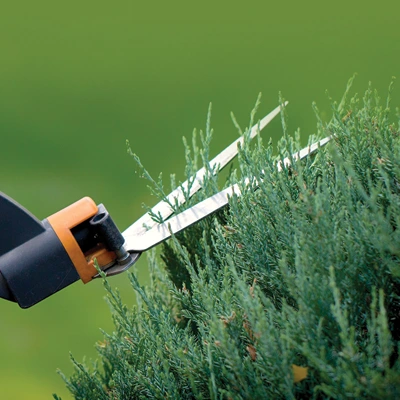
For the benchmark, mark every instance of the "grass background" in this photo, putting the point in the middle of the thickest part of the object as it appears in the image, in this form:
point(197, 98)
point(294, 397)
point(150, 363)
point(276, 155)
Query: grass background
point(79, 78)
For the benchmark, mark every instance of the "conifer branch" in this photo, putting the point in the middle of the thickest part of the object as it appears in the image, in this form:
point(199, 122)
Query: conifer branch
point(291, 292)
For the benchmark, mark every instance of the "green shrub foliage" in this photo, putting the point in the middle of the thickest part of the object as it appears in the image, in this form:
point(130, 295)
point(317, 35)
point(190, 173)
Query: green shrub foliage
point(302, 269)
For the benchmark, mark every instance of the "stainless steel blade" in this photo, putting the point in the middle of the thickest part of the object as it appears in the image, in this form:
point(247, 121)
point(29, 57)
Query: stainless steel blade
point(163, 209)
point(304, 152)
point(161, 232)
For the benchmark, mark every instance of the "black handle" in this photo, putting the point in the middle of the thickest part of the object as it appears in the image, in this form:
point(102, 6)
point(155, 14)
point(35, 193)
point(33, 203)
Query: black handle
point(39, 258)
point(33, 261)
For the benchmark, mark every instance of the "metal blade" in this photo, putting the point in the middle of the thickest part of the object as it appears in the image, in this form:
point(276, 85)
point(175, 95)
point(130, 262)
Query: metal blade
point(163, 209)
point(304, 152)
point(201, 210)
point(180, 222)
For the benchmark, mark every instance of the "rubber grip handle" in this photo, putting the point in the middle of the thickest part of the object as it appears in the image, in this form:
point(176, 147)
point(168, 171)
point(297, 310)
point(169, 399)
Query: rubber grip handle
point(37, 268)
point(36, 261)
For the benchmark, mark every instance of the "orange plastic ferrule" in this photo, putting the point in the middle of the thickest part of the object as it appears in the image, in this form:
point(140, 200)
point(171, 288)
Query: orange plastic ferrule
point(62, 222)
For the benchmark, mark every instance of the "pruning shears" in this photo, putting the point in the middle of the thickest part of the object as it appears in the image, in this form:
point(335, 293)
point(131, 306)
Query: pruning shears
point(39, 258)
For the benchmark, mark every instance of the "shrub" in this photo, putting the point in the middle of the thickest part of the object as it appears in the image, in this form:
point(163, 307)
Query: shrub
point(298, 277)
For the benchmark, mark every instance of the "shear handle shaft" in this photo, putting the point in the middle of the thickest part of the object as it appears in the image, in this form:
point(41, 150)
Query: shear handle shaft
point(39, 258)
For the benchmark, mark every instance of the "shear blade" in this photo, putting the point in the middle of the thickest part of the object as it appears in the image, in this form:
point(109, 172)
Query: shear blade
point(180, 222)
point(176, 224)
point(163, 209)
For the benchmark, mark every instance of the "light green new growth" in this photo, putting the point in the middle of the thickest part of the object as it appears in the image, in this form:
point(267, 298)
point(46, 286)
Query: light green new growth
point(302, 271)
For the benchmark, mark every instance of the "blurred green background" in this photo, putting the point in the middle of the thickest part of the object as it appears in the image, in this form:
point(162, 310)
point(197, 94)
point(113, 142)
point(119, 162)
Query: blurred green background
point(78, 78)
